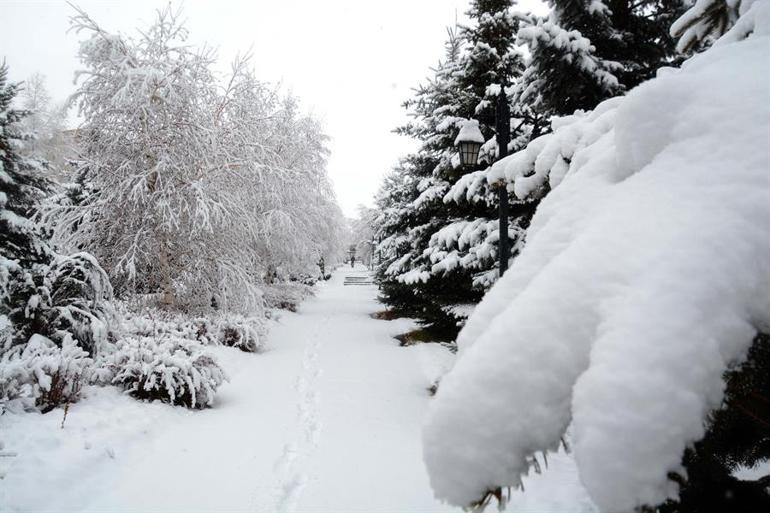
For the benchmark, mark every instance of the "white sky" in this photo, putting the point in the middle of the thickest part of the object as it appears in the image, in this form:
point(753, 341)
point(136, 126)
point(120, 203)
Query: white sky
point(351, 62)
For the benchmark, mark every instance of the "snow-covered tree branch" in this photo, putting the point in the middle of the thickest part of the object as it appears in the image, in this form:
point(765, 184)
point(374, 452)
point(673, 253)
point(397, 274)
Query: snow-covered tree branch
point(642, 281)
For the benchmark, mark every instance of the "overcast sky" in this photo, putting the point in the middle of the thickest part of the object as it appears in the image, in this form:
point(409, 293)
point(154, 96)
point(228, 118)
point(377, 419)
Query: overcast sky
point(351, 62)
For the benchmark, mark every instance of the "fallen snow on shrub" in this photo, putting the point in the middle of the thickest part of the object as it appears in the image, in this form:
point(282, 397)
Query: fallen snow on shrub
point(166, 368)
point(244, 333)
point(286, 295)
point(228, 329)
point(645, 275)
point(40, 374)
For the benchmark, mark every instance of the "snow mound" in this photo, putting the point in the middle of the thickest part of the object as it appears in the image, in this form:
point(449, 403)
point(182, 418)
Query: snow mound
point(644, 276)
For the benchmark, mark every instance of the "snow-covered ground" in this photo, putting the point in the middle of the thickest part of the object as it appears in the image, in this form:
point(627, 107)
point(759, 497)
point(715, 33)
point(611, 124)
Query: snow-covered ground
point(328, 419)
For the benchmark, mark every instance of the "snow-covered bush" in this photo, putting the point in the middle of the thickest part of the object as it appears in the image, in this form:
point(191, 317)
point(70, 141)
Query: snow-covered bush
point(286, 295)
point(166, 368)
point(228, 329)
point(643, 280)
point(41, 374)
point(79, 301)
point(151, 322)
point(244, 333)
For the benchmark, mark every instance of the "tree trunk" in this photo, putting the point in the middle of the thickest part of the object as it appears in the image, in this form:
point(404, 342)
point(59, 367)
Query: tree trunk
point(167, 298)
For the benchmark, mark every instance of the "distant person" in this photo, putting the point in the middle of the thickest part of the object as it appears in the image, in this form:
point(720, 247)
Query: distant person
point(352, 261)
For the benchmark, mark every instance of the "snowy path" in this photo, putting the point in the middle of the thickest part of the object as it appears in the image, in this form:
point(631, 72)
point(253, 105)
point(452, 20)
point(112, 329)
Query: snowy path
point(327, 420)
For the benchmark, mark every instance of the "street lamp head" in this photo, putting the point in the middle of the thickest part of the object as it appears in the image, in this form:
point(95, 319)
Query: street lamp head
point(469, 142)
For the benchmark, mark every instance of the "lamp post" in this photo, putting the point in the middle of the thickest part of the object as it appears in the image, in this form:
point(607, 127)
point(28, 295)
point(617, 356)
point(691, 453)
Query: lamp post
point(503, 129)
point(469, 142)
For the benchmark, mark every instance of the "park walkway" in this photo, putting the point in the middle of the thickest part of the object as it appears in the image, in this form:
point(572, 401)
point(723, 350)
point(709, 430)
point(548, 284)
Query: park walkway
point(327, 420)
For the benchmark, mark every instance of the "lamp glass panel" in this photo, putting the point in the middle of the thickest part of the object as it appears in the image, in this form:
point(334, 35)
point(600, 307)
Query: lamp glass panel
point(469, 153)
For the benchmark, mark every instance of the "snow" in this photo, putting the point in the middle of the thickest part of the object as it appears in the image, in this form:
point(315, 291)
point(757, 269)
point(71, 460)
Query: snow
point(327, 419)
point(642, 279)
point(758, 471)
point(431, 191)
point(470, 132)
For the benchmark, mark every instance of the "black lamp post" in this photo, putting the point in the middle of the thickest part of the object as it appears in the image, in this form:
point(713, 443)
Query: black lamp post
point(503, 129)
point(469, 142)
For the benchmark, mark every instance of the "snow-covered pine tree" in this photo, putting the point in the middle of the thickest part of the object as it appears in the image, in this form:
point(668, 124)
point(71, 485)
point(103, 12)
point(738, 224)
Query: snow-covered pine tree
point(54, 309)
point(589, 50)
point(423, 178)
point(394, 203)
point(446, 252)
point(21, 186)
point(492, 59)
point(22, 183)
point(564, 73)
point(404, 219)
point(582, 53)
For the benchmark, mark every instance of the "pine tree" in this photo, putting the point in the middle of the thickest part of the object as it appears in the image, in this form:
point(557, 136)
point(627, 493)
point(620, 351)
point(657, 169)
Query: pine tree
point(564, 74)
point(41, 292)
point(428, 272)
point(22, 184)
point(23, 251)
point(393, 201)
point(492, 60)
point(586, 51)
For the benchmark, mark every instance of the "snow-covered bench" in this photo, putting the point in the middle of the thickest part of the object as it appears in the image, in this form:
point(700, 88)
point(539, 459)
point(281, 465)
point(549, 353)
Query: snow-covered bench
point(359, 280)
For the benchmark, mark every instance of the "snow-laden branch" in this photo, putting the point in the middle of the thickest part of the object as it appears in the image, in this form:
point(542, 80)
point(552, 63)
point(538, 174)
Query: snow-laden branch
point(643, 279)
